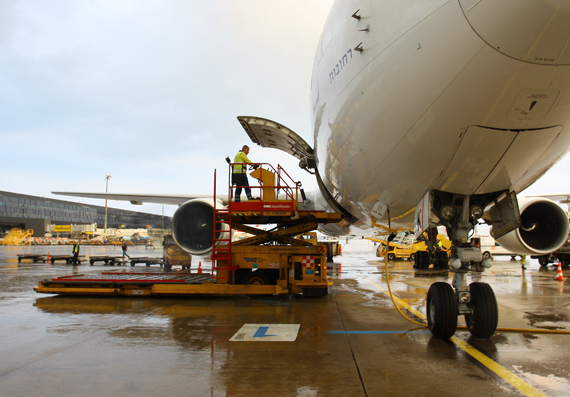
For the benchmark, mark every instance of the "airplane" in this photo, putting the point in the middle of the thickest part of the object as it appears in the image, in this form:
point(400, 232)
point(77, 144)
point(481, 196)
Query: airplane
point(425, 114)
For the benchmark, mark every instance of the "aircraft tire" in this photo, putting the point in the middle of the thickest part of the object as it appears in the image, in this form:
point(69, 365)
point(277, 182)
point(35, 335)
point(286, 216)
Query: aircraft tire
point(543, 260)
point(257, 278)
point(485, 318)
point(441, 310)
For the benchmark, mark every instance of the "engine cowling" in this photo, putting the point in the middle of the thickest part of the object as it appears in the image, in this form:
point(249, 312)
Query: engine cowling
point(193, 226)
point(544, 228)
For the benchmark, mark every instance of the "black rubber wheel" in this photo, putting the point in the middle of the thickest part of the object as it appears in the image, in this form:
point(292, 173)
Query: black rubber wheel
point(543, 260)
point(442, 260)
point(486, 255)
point(91, 261)
point(391, 257)
point(441, 310)
point(485, 318)
point(256, 278)
point(52, 261)
point(421, 260)
point(413, 257)
point(19, 260)
point(133, 263)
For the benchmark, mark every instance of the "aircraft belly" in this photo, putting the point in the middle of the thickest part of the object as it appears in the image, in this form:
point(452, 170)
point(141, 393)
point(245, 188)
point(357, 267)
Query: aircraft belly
point(530, 155)
point(475, 159)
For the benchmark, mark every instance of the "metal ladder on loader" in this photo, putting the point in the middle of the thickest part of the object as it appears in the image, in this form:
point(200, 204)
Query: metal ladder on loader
point(222, 243)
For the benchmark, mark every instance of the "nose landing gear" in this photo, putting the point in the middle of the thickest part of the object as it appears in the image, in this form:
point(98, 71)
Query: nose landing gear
point(445, 302)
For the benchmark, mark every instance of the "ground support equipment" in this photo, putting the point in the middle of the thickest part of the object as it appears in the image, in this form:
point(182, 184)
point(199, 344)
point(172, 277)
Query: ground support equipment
point(67, 258)
point(35, 258)
point(108, 260)
point(146, 260)
point(265, 262)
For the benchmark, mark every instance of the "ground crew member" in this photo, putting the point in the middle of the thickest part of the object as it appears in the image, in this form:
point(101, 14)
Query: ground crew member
point(523, 260)
point(75, 251)
point(124, 247)
point(239, 174)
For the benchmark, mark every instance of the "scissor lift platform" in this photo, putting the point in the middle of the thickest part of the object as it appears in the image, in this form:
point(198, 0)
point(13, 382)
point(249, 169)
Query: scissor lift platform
point(147, 284)
point(266, 262)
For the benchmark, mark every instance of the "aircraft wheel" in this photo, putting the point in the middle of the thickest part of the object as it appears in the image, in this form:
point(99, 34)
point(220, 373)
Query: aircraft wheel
point(485, 318)
point(543, 260)
point(256, 278)
point(441, 310)
point(391, 257)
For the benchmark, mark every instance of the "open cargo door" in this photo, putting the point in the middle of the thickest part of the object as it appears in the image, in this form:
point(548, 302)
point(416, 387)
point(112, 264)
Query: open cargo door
point(268, 133)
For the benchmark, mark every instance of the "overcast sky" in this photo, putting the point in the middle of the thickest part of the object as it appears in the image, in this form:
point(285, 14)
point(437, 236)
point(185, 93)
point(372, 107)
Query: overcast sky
point(149, 90)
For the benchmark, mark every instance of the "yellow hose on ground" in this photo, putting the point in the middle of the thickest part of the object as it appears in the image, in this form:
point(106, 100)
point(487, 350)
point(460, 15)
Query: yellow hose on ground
point(514, 330)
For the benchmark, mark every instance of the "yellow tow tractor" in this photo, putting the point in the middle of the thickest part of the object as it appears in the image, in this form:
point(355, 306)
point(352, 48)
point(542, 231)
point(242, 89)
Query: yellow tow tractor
point(173, 255)
point(264, 262)
point(404, 247)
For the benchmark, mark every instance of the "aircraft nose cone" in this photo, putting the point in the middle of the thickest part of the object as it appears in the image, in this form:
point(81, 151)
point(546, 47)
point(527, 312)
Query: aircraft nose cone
point(535, 31)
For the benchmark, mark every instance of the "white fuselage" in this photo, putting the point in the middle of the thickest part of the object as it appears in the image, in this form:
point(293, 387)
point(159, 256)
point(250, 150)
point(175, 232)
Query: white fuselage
point(463, 96)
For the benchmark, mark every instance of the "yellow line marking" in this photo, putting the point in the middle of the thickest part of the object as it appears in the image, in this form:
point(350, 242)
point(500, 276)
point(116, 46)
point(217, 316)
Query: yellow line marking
point(505, 374)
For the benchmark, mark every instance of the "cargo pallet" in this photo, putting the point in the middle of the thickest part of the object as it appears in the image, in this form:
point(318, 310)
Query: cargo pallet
point(268, 262)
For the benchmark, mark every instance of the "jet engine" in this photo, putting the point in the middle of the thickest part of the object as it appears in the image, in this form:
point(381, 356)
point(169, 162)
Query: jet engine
point(193, 226)
point(544, 228)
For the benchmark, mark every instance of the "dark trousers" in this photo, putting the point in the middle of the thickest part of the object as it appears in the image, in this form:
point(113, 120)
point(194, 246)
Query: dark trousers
point(75, 257)
point(241, 180)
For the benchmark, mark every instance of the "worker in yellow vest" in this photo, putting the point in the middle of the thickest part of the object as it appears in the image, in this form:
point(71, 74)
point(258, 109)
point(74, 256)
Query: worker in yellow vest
point(239, 174)
point(75, 252)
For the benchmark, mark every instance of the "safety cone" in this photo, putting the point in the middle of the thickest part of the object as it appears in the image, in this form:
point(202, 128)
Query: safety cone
point(200, 267)
point(48, 258)
point(559, 274)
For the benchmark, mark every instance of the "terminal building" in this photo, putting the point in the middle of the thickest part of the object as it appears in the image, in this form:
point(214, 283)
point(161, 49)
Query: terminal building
point(32, 212)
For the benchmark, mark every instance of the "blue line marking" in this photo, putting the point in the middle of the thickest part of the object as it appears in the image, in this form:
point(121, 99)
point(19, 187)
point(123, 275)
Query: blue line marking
point(377, 332)
point(261, 333)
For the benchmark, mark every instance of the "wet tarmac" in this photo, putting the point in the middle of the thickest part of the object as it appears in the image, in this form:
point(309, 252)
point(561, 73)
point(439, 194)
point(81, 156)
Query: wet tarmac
point(350, 343)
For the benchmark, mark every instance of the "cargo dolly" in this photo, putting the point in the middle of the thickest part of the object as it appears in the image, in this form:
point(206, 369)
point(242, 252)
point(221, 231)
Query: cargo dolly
point(146, 260)
point(267, 262)
point(119, 260)
point(50, 258)
point(34, 257)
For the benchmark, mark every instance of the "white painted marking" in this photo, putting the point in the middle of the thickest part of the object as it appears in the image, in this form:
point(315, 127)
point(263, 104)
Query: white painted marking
point(267, 333)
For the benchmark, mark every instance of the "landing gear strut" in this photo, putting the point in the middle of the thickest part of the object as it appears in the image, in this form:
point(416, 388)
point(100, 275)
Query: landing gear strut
point(476, 301)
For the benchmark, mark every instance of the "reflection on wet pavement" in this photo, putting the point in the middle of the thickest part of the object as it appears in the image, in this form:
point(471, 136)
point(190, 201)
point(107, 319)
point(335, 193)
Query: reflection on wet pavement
point(352, 342)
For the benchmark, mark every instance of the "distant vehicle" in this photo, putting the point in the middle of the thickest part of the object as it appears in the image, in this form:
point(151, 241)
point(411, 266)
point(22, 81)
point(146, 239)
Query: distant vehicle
point(562, 254)
point(405, 247)
point(333, 247)
point(490, 248)
point(173, 255)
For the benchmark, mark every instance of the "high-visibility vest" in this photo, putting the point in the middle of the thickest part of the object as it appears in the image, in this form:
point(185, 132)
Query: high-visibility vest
point(241, 157)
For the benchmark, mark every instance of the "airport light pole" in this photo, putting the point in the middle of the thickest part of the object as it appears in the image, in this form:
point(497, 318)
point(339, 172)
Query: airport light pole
point(106, 191)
